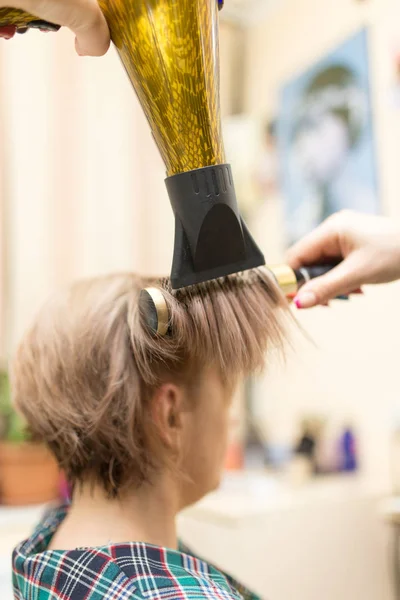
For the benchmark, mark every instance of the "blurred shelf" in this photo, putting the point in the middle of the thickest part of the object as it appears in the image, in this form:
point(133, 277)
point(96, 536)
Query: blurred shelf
point(248, 495)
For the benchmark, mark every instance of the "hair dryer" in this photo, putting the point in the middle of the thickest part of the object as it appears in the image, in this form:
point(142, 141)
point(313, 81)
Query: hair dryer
point(169, 49)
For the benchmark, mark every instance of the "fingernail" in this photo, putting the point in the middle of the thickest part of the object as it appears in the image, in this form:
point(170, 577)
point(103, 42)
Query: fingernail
point(344, 297)
point(358, 291)
point(305, 300)
point(7, 32)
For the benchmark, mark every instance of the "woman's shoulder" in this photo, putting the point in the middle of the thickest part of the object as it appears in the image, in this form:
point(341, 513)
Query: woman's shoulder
point(129, 571)
point(175, 574)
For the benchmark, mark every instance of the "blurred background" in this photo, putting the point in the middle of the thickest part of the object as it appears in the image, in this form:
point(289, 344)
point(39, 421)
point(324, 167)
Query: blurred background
point(310, 93)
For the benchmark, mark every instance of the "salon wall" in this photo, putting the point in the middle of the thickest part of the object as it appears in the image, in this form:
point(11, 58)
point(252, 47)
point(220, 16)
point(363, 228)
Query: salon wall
point(81, 180)
point(351, 373)
point(72, 160)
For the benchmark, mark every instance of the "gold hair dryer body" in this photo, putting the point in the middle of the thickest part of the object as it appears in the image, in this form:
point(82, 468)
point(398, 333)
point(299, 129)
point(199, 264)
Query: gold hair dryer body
point(169, 49)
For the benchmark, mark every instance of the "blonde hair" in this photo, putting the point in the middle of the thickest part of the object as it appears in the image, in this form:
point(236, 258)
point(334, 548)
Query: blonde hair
point(84, 374)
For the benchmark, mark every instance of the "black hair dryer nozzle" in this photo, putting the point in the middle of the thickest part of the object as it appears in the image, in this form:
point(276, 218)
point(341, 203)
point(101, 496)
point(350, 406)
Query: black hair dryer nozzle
point(211, 239)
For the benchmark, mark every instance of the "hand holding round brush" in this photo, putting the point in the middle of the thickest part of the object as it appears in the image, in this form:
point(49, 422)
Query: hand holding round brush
point(368, 248)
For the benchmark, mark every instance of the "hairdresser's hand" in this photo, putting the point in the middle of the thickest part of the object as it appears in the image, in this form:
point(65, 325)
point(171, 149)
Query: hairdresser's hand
point(369, 245)
point(83, 17)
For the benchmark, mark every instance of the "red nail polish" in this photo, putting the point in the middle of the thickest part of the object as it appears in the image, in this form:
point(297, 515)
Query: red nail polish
point(297, 303)
point(7, 32)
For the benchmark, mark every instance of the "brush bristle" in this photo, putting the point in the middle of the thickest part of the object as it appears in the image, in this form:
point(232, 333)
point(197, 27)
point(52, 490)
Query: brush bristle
point(238, 280)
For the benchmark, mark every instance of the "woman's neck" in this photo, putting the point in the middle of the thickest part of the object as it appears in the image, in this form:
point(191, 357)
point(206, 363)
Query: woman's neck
point(143, 515)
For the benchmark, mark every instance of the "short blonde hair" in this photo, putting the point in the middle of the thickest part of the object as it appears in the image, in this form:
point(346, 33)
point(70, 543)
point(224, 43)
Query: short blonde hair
point(84, 373)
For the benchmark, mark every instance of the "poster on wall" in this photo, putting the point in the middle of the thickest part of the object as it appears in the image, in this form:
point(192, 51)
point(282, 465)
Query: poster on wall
point(325, 139)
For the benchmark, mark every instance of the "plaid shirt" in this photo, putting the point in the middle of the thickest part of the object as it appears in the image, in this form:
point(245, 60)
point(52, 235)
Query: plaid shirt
point(132, 571)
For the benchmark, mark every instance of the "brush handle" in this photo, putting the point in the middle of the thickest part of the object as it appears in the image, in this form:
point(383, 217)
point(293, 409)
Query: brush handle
point(305, 274)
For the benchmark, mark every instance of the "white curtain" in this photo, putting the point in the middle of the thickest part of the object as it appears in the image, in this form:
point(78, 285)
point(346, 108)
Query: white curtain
point(82, 189)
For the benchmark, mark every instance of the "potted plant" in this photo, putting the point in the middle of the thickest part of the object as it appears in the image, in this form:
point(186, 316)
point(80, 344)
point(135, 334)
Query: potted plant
point(28, 472)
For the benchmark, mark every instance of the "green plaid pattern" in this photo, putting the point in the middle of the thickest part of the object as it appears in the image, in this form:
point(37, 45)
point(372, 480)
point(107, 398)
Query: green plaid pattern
point(133, 571)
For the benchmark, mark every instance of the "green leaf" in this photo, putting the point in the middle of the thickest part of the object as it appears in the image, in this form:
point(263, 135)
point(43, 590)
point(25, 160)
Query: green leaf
point(12, 426)
point(5, 395)
point(17, 432)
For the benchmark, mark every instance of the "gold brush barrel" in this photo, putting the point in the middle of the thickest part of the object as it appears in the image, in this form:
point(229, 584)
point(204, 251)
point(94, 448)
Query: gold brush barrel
point(170, 51)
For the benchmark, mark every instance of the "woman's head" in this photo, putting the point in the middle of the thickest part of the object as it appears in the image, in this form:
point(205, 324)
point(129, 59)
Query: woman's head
point(117, 404)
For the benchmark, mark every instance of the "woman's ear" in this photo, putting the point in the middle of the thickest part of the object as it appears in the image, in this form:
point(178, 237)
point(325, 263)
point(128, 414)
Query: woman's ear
point(167, 412)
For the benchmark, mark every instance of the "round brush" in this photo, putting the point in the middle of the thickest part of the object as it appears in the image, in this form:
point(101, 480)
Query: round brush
point(154, 310)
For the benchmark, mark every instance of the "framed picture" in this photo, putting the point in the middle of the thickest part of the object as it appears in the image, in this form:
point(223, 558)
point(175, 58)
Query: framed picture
point(325, 139)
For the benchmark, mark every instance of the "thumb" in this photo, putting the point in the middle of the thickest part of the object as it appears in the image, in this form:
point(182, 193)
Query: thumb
point(92, 35)
point(342, 280)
